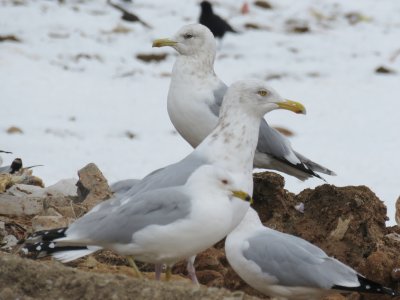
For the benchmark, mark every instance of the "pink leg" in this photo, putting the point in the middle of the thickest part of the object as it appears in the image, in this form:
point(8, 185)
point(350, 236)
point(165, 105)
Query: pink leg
point(191, 270)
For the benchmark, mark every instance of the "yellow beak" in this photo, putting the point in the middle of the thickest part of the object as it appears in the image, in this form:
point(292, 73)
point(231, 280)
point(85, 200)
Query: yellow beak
point(243, 195)
point(163, 42)
point(294, 106)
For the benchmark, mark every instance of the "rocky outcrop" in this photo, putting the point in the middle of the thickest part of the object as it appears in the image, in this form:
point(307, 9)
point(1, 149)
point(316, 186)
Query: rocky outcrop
point(347, 222)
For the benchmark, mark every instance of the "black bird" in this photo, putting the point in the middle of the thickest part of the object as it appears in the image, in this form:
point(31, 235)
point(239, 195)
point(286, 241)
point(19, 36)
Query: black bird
point(215, 23)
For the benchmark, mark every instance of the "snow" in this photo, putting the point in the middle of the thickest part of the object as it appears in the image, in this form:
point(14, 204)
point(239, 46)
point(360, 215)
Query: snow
point(75, 87)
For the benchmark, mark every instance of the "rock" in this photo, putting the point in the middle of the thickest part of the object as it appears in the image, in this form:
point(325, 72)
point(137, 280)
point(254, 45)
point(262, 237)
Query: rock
point(152, 57)
point(397, 217)
point(23, 177)
point(252, 26)
point(396, 274)
point(14, 130)
point(20, 206)
point(5, 182)
point(92, 186)
point(354, 216)
point(297, 26)
point(64, 187)
point(9, 38)
point(8, 242)
point(384, 70)
point(3, 231)
point(27, 279)
point(22, 190)
point(49, 222)
point(130, 135)
point(263, 4)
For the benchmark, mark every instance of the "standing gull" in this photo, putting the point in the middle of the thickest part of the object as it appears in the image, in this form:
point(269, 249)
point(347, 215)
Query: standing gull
point(161, 226)
point(287, 267)
point(195, 97)
point(231, 146)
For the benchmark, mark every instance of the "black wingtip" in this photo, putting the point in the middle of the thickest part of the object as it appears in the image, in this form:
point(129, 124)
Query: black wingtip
point(368, 286)
point(46, 235)
point(43, 249)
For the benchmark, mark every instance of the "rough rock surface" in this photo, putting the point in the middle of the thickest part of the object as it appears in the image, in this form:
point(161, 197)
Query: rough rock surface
point(347, 222)
point(25, 279)
point(92, 186)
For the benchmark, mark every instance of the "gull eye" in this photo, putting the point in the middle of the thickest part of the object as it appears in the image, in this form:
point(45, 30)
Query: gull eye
point(187, 36)
point(224, 181)
point(262, 93)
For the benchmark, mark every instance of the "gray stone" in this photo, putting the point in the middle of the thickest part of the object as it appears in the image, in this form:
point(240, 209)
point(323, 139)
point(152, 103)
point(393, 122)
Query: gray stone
point(92, 186)
point(23, 190)
point(50, 222)
point(9, 241)
point(19, 206)
point(64, 187)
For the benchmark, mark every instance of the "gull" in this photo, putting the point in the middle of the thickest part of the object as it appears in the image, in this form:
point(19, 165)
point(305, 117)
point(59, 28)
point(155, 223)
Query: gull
point(195, 97)
point(161, 226)
point(287, 267)
point(230, 146)
point(2, 151)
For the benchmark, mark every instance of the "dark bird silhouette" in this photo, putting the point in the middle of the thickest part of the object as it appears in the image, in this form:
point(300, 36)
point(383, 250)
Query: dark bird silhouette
point(127, 16)
point(215, 23)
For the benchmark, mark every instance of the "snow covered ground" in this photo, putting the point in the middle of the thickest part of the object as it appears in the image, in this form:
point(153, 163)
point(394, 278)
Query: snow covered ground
point(75, 87)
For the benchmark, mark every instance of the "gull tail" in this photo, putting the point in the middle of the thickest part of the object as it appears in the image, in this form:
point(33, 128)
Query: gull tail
point(313, 166)
point(43, 243)
point(368, 286)
point(46, 235)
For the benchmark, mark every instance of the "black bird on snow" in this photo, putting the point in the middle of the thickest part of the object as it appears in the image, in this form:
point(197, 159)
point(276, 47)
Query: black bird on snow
point(215, 23)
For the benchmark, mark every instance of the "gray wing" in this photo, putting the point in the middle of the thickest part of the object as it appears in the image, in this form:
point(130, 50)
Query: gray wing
point(122, 186)
point(5, 169)
point(314, 166)
point(219, 92)
point(296, 262)
point(276, 145)
point(172, 175)
point(157, 207)
point(281, 156)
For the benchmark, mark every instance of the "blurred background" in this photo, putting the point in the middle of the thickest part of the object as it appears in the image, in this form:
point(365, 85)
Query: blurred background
point(80, 83)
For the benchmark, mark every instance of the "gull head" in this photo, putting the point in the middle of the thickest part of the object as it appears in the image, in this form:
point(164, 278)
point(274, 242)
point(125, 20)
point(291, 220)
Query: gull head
point(190, 40)
point(213, 179)
point(257, 97)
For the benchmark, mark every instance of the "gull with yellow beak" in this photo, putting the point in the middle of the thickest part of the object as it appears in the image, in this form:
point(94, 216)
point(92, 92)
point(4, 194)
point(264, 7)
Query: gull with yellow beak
point(161, 226)
point(195, 97)
point(230, 146)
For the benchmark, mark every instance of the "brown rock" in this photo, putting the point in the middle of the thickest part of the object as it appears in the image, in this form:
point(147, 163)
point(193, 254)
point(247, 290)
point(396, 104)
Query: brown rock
point(92, 186)
point(384, 70)
point(263, 4)
point(14, 130)
point(27, 279)
point(346, 222)
point(49, 222)
point(397, 217)
point(152, 57)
